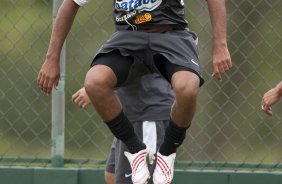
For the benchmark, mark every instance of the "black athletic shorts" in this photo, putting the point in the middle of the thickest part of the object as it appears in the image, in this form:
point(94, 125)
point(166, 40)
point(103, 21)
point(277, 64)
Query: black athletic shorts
point(131, 54)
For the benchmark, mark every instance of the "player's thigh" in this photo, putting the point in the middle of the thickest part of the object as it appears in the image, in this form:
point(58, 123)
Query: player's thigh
point(169, 71)
point(119, 64)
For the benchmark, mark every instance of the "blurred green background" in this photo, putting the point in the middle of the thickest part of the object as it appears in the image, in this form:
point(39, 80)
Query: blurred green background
point(229, 126)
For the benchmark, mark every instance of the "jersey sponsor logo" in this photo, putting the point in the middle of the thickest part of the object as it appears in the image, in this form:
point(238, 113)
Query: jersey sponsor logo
point(141, 5)
point(143, 18)
point(126, 16)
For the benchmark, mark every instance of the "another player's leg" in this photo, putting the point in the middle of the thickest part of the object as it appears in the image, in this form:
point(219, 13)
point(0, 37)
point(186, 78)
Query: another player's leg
point(109, 174)
point(109, 177)
point(100, 83)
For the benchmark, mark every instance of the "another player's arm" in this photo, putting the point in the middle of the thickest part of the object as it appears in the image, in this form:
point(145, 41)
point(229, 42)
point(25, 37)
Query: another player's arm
point(279, 88)
point(49, 73)
point(221, 56)
point(271, 97)
point(81, 98)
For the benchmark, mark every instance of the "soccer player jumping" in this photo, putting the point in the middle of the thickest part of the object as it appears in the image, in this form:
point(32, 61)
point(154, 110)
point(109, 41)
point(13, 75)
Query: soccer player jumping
point(152, 34)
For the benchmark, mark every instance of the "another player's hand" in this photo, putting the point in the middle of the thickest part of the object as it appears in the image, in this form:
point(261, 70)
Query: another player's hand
point(221, 61)
point(49, 76)
point(269, 99)
point(81, 98)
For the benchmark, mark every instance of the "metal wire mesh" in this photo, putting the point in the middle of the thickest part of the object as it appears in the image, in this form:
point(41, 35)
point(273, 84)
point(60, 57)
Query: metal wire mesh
point(229, 130)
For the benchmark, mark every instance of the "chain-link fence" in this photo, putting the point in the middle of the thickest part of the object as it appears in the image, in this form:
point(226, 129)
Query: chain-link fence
point(229, 129)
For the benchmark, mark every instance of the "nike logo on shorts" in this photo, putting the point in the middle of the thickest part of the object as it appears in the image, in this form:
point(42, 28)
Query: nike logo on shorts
point(192, 60)
point(127, 175)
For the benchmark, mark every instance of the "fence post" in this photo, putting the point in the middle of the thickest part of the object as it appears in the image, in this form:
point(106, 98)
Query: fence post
point(58, 107)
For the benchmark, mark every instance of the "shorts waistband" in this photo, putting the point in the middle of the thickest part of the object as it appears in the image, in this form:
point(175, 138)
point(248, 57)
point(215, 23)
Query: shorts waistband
point(157, 28)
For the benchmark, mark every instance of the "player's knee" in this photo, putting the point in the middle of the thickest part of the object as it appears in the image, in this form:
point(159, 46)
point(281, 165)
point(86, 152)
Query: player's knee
point(97, 82)
point(186, 91)
point(185, 84)
point(92, 85)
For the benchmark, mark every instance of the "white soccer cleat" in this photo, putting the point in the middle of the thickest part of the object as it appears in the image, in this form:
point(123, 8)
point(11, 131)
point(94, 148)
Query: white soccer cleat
point(163, 173)
point(139, 167)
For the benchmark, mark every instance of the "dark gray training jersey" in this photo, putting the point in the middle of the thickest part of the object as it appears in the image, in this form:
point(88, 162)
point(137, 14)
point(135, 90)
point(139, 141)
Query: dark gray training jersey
point(138, 13)
point(149, 98)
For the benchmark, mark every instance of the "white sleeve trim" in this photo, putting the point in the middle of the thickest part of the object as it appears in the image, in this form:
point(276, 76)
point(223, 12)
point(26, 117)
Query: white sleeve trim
point(81, 2)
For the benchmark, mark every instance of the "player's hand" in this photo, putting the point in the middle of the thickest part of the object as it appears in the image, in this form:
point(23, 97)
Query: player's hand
point(49, 76)
point(81, 98)
point(221, 62)
point(269, 99)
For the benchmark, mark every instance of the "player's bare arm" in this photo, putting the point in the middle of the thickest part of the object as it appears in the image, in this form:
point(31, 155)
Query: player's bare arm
point(221, 57)
point(81, 98)
point(49, 73)
point(271, 97)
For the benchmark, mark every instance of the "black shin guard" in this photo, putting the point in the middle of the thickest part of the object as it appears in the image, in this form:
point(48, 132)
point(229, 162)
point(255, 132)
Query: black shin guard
point(174, 137)
point(122, 129)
